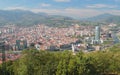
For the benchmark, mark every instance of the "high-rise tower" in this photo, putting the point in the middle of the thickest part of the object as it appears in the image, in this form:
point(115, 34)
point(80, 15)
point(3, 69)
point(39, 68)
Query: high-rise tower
point(97, 34)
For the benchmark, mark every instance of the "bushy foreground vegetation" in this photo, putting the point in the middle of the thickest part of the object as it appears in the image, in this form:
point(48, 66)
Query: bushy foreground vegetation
point(33, 62)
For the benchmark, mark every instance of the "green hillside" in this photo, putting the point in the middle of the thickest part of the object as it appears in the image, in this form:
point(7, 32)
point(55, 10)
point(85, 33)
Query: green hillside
point(105, 18)
point(34, 62)
point(27, 18)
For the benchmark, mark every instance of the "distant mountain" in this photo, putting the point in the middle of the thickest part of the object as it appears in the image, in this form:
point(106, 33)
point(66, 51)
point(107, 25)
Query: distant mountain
point(100, 17)
point(107, 18)
point(28, 18)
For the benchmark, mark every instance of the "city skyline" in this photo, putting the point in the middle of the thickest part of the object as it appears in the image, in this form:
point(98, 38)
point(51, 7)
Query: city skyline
point(72, 8)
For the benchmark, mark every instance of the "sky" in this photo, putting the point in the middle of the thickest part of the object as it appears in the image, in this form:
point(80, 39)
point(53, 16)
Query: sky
point(72, 8)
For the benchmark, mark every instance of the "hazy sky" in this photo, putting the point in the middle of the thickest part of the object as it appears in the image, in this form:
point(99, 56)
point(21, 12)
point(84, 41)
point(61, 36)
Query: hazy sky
point(74, 8)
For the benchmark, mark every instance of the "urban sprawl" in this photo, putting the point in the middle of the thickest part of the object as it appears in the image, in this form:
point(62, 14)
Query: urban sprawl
point(42, 37)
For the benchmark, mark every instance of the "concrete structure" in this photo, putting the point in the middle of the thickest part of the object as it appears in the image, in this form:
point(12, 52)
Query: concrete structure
point(73, 48)
point(21, 44)
point(97, 34)
point(115, 38)
point(37, 46)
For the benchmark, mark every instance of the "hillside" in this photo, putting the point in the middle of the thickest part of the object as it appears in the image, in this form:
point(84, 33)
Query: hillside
point(34, 62)
point(27, 18)
point(106, 18)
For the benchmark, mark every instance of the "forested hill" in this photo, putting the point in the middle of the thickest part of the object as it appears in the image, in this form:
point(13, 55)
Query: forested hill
point(28, 18)
point(107, 18)
point(34, 62)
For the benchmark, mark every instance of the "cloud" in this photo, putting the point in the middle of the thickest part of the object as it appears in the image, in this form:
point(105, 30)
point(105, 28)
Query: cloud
point(62, 0)
point(82, 12)
point(77, 13)
point(101, 6)
point(72, 12)
point(45, 5)
point(114, 12)
point(14, 8)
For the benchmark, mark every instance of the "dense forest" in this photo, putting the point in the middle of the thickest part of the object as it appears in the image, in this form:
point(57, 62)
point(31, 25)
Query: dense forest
point(33, 62)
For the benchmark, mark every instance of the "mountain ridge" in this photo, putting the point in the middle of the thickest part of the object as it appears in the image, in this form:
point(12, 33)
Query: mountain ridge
point(28, 18)
point(107, 18)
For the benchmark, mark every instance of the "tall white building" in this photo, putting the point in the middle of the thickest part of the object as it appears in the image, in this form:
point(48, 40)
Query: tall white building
point(97, 34)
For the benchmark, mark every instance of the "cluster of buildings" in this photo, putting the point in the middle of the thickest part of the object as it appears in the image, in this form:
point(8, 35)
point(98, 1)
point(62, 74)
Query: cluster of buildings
point(52, 38)
point(42, 37)
point(9, 56)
